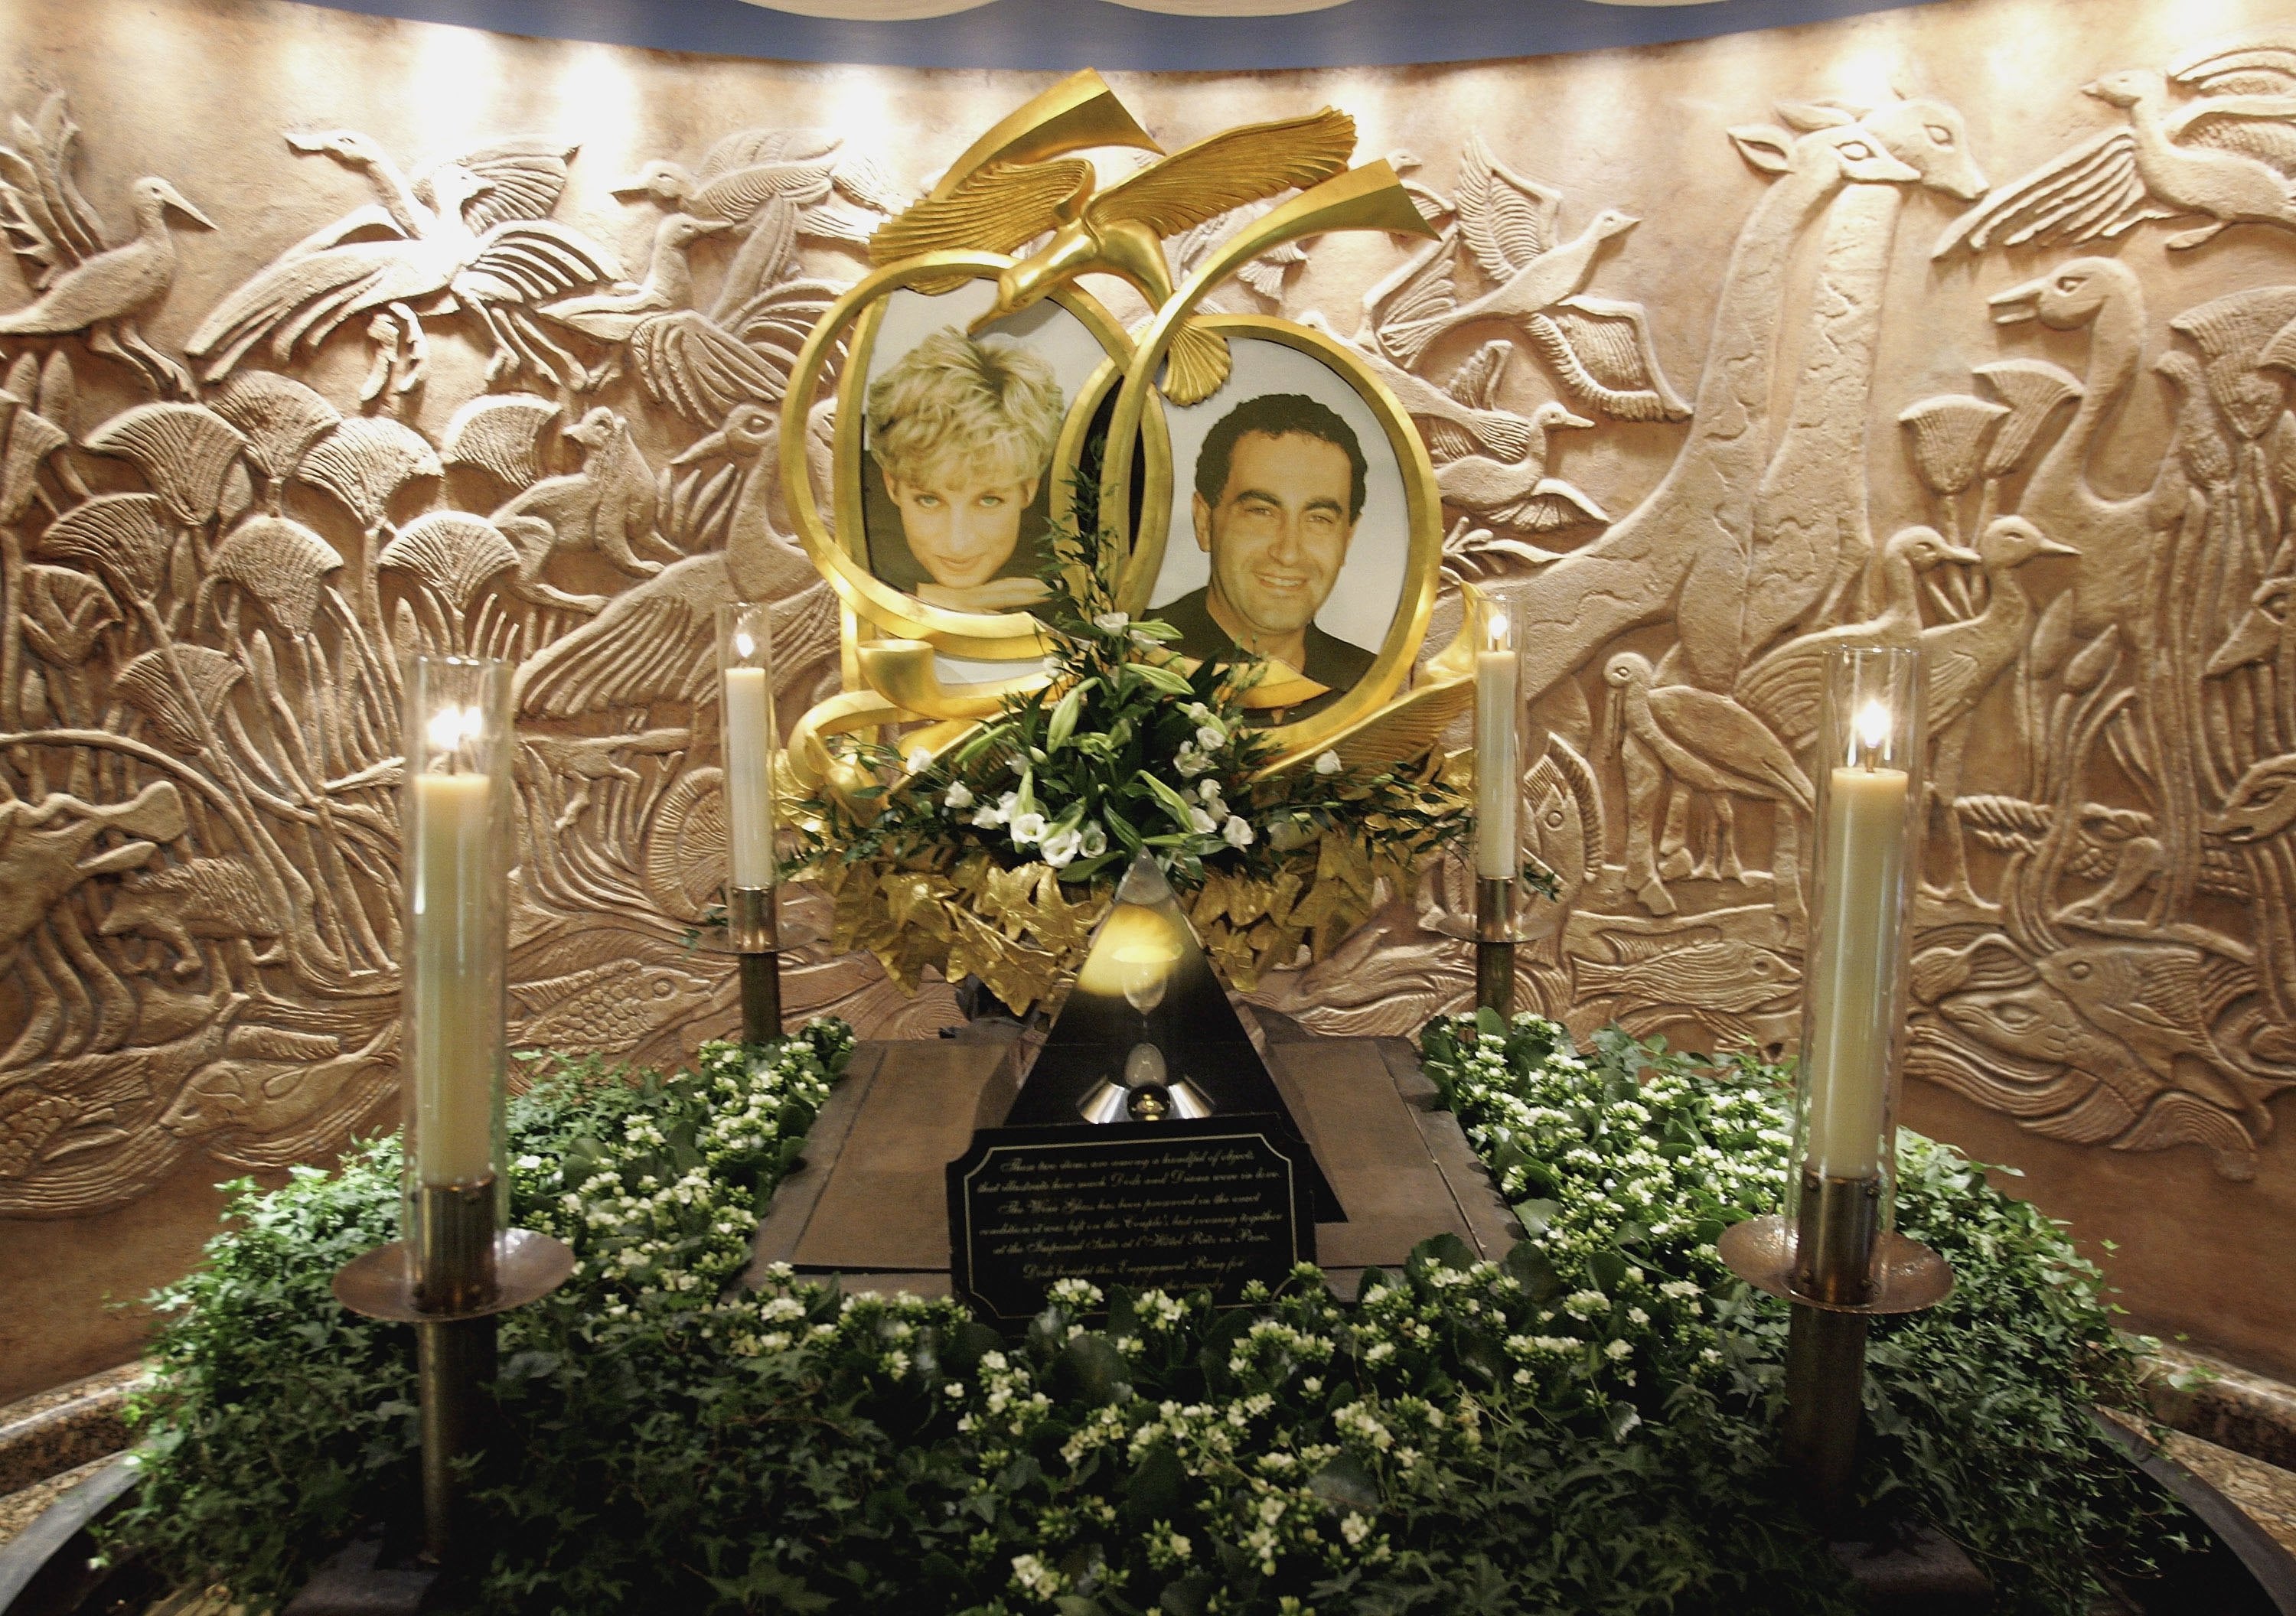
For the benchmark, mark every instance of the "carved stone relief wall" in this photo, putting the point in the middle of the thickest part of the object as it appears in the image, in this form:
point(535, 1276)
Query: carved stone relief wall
point(332, 338)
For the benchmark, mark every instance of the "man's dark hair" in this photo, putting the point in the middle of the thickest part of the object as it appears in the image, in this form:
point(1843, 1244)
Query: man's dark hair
point(1278, 415)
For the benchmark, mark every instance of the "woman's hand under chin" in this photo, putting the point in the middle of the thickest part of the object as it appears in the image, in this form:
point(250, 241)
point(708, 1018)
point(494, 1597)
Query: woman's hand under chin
point(997, 595)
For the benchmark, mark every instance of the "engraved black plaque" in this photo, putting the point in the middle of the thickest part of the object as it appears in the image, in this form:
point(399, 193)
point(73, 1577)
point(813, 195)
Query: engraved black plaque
point(1179, 1206)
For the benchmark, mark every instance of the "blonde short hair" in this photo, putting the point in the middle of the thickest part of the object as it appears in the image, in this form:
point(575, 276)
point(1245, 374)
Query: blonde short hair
point(964, 398)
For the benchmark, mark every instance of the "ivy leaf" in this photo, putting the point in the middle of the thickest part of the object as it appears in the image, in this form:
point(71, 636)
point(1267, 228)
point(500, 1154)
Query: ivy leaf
point(1441, 1251)
point(1344, 1484)
point(1153, 1492)
point(1091, 1367)
point(1608, 1269)
point(1535, 1216)
point(1529, 1267)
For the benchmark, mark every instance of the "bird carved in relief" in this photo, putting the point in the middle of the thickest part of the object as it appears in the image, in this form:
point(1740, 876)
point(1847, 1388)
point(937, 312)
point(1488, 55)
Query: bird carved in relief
point(1786, 686)
point(611, 316)
point(470, 235)
point(1511, 226)
point(82, 284)
point(1456, 418)
point(838, 196)
point(1119, 230)
point(1523, 495)
point(1961, 661)
point(2228, 154)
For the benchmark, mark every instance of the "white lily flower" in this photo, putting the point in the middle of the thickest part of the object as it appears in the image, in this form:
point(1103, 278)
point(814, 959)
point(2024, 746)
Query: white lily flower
point(1028, 828)
point(1235, 833)
point(1061, 847)
point(958, 796)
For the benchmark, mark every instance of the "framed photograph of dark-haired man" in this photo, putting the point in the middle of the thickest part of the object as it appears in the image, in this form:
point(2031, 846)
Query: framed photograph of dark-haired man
point(1301, 518)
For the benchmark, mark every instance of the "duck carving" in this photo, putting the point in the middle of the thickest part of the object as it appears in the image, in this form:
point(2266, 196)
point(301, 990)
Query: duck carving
point(2226, 155)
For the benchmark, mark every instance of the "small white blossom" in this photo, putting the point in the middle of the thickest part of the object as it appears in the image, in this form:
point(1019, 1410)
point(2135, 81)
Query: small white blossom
point(1094, 840)
point(1327, 762)
point(1211, 737)
point(958, 796)
point(1201, 822)
point(1028, 828)
point(1111, 621)
point(1060, 848)
point(919, 760)
point(1235, 833)
point(1190, 762)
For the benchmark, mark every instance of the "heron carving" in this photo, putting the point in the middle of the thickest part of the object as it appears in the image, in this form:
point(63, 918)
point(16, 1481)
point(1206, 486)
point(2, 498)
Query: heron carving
point(60, 243)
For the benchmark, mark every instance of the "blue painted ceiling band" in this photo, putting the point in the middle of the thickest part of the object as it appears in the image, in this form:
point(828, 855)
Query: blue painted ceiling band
point(1063, 35)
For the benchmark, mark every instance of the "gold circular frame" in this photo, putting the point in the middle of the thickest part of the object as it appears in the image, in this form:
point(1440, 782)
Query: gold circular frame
point(1144, 550)
point(983, 636)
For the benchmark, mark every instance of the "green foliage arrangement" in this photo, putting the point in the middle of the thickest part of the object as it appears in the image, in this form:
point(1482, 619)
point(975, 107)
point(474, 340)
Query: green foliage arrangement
point(1583, 1427)
point(993, 857)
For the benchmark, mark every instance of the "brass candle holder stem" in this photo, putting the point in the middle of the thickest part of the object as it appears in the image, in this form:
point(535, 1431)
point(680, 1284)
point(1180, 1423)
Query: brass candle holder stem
point(753, 927)
point(1495, 945)
point(450, 1282)
point(1840, 1270)
point(1835, 1228)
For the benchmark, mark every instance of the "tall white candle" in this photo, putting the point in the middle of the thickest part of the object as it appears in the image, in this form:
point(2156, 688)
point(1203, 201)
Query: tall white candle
point(1851, 990)
point(1498, 767)
point(454, 989)
point(749, 774)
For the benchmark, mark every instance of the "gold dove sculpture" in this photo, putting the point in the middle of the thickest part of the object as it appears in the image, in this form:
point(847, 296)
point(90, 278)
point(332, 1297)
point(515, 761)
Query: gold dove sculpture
point(1119, 230)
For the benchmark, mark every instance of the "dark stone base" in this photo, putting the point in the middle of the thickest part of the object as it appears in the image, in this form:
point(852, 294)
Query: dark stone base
point(1927, 1577)
point(871, 1203)
point(355, 1583)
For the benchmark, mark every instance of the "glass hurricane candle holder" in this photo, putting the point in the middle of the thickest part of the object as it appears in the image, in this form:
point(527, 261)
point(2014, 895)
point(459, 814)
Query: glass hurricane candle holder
point(745, 685)
point(455, 822)
point(1867, 857)
point(1500, 719)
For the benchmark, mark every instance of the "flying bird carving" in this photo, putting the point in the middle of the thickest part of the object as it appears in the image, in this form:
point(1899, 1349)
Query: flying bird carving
point(470, 234)
point(1509, 225)
point(2227, 154)
point(1599, 348)
point(1119, 230)
point(85, 285)
point(840, 196)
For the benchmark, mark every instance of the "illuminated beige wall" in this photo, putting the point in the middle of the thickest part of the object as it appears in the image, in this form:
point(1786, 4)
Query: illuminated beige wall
point(1688, 457)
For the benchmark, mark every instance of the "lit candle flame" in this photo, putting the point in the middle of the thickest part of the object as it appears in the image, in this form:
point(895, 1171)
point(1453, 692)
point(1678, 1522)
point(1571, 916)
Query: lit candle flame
point(1873, 726)
point(1499, 628)
point(744, 647)
point(451, 726)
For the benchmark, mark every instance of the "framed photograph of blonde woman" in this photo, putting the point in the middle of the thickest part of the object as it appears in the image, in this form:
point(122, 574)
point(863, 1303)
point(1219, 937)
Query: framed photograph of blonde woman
point(956, 472)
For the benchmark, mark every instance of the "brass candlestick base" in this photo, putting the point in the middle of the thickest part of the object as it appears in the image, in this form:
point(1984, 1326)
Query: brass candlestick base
point(1840, 1271)
point(450, 1283)
point(1495, 945)
point(753, 927)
